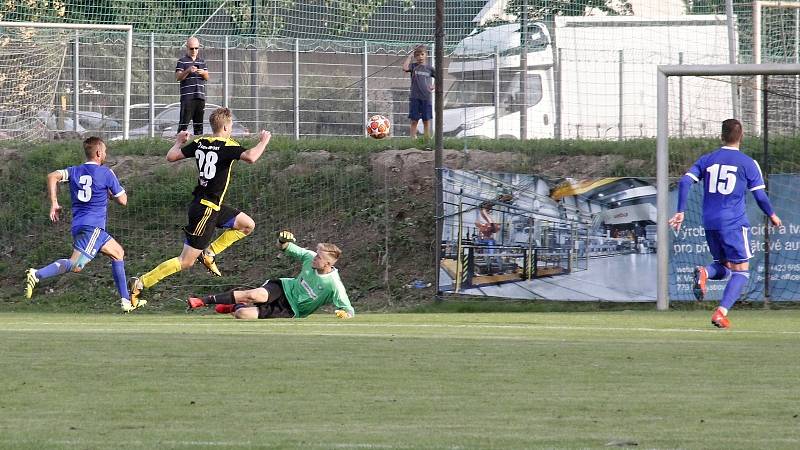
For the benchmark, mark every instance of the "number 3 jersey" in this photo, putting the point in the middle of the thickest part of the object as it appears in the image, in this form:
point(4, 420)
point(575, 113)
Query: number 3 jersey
point(727, 176)
point(89, 185)
point(214, 157)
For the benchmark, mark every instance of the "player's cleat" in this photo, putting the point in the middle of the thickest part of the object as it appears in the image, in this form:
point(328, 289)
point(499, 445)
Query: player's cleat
point(700, 278)
point(224, 309)
point(195, 303)
point(30, 282)
point(128, 306)
point(207, 258)
point(720, 320)
point(135, 287)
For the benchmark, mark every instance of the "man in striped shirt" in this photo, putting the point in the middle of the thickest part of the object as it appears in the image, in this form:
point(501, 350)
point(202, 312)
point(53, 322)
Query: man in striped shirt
point(192, 73)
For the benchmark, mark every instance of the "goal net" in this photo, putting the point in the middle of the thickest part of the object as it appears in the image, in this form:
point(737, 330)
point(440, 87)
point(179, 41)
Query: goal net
point(775, 266)
point(35, 102)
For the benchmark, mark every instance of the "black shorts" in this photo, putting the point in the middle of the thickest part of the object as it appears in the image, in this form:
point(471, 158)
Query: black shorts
point(277, 306)
point(202, 221)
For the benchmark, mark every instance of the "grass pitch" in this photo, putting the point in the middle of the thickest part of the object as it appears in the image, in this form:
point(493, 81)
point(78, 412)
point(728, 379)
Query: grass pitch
point(538, 380)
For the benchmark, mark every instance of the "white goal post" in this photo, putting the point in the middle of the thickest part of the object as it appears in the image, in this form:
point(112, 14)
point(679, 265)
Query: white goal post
point(662, 148)
point(128, 54)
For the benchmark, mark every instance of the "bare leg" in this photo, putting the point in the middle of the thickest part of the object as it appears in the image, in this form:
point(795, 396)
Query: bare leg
point(413, 129)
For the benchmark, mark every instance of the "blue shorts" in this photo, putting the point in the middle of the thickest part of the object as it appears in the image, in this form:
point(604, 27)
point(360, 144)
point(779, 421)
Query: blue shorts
point(89, 240)
point(420, 109)
point(731, 245)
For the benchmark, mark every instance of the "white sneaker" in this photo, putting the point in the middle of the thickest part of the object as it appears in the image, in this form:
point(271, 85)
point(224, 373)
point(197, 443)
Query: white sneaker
point(127, 306)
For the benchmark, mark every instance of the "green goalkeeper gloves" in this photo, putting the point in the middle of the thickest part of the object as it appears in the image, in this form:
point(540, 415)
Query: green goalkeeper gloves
point(285, 236)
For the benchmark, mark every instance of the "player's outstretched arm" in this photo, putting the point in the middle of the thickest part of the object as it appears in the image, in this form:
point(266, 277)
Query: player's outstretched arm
point(175, 153)
point(252, 155)
point(52, 189)
point(285, 237)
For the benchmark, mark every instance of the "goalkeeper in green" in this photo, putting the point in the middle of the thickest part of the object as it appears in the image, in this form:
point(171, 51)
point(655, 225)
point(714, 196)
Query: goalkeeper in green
point(317, 284)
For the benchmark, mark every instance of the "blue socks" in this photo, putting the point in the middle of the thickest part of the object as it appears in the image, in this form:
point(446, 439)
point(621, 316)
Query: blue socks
point(56, 268)
point(733, 290)
point(717, 271)
point(118, 270)
point(65, 265)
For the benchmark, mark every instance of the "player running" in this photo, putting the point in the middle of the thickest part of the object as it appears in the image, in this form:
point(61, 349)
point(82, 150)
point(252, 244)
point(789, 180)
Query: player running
point(214, 157)
point(91, 184)
point(727, 175)
point(317, 284)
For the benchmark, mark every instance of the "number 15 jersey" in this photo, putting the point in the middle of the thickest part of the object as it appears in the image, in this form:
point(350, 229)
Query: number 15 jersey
point(214, 157)
point(727, 176)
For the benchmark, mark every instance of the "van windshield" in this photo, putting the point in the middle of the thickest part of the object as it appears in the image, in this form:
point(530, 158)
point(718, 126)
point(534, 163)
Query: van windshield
point(476, 89)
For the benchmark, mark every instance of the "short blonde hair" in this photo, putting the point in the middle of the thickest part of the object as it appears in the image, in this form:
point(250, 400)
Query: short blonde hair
point(219, 118)
point(331, 249)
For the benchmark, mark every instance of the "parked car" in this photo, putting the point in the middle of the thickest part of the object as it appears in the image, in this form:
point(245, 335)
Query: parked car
point(167, 118)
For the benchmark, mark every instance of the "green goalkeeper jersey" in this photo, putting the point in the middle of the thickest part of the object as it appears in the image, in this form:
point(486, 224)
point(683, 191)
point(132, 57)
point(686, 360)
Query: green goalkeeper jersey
point(310, 290)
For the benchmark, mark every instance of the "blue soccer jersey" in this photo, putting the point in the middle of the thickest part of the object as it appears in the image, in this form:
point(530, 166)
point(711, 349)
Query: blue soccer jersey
point(89, 185)
point(727, 176)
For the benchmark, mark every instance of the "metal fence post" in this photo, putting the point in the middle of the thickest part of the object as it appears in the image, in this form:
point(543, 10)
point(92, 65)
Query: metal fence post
point(557, 96)
point(680, 98)
point(497, 94)
point(296, 88)
point(152, 96)
point(621, 93)
point(365, 104)
point(225, 72)
point(76, 81)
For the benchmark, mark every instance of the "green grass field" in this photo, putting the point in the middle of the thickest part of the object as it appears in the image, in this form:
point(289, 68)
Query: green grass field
point(535, 380)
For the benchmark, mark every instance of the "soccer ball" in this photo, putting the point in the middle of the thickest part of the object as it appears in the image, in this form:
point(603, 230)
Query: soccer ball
point(378, 126)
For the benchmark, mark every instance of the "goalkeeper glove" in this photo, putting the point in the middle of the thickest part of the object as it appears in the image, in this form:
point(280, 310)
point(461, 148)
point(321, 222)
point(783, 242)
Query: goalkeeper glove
point(342, 314)
point(285, 236)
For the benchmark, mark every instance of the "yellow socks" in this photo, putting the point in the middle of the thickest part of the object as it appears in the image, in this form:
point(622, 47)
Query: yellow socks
point(162, 271)
point(225, 240)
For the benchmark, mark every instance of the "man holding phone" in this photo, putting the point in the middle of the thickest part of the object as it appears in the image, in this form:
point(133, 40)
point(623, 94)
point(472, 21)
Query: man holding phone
point(192, 73)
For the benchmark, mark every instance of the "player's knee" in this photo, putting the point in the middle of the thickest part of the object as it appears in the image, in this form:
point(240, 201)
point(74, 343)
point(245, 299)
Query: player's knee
point(186, 263)
point(246, 225)
point(244, 314)
point(77, 268)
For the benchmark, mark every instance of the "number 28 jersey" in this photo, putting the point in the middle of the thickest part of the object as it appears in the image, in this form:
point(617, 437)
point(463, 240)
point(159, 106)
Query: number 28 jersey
point(727, 175)
point(214, 158)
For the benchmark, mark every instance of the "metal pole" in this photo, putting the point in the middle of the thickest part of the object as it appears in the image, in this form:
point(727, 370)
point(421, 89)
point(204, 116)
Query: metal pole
point(365, 93)
point(765, 144)
point(438, 122)
point(152, 93)
point(76, 96)
point(621, 94)
point(796, 61)
point(226, 93)
point(662, 194)
point(680, 98)
point(732, 47)
point(557, 96)
point(523, 78)
point(126, 114)
point(296, 95)
point(496, 94)
point(756, 60)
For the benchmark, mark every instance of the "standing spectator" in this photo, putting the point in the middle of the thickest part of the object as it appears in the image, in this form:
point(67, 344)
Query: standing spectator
point(192, 72)
point(420, 104)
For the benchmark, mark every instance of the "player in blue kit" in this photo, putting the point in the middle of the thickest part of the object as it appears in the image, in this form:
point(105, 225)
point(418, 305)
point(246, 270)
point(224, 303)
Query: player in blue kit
point(91, 184)
point(727, 174)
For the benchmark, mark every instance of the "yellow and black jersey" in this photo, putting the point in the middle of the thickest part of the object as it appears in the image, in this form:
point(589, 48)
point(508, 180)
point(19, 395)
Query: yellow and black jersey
point(214, 157)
